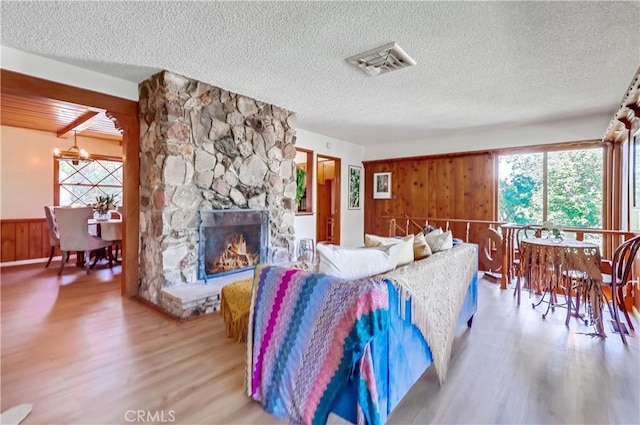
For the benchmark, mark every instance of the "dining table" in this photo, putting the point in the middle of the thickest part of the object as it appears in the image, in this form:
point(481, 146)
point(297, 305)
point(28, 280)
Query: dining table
point(116, 223)
point(548, 264)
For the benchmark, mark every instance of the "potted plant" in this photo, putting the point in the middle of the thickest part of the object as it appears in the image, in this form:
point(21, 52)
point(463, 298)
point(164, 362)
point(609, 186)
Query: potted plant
point(104, 204)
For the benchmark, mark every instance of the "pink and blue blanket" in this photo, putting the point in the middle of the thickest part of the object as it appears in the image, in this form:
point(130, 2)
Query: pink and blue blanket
point(310, 334)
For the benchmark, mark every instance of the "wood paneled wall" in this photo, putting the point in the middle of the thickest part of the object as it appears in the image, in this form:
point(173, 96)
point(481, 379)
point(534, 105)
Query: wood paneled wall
point(446, 186)
point(24, 239)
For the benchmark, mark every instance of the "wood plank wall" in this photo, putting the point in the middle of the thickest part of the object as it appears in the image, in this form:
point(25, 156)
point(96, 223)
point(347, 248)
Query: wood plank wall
point(24, 239)
point(445, 186)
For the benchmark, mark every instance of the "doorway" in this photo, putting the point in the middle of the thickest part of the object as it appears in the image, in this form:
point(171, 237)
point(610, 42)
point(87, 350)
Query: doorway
point(328, 199)
point(124, 114)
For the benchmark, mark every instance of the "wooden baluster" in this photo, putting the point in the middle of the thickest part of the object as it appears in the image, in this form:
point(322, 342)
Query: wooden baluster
point(406, 229)
point(466, 239)
point(505, 260)
point(392, 227)
point(447, 227)
point(579, 236)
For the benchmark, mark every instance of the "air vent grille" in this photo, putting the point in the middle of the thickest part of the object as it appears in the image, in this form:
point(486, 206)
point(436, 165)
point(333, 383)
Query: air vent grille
point(383, 59)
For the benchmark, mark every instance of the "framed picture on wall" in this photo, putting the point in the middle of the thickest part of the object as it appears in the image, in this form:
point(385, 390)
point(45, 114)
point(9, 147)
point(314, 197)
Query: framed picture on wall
point(355, 181)
point(382, 186)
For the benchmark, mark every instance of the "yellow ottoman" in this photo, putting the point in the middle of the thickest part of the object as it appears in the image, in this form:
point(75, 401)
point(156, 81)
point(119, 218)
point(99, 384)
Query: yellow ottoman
point(235, 302)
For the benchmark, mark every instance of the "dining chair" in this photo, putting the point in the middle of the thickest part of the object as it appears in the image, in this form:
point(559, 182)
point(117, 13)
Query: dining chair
point(112, 233)
point(621, 267)
point(524, 232)
point(54, 235)
point(74, 234)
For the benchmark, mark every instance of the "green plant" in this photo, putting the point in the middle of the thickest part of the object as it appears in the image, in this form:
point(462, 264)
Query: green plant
point(104, 203)
point(300, 180)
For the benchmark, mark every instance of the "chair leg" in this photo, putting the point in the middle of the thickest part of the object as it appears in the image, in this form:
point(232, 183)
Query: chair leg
point(608, 304)
point(65, 258)
point(53, 250)
point(616, 316)
point(116, 257)
point(110, 255)
point(87, 255)
point(623, 307)
point(98, 255)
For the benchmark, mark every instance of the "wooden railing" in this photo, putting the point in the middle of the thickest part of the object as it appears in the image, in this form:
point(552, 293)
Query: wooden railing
point(484, 233)
point(496, 240)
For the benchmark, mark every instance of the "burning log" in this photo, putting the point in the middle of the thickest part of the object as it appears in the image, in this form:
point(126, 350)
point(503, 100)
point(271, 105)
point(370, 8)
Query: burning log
point(234, 256)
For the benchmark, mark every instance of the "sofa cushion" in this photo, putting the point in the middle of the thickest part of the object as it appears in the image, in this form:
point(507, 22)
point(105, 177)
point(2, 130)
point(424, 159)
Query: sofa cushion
point(421, 248)
point(439, 240)
point(356, 263)
point(406, 243)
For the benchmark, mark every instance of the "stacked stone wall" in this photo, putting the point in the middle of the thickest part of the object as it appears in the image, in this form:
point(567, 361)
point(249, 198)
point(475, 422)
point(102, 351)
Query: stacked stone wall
point(204, 148)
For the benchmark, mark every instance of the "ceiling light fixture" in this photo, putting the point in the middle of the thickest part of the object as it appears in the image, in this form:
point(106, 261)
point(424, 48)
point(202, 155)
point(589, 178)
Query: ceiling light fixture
point(74, 154)
point(383, 59)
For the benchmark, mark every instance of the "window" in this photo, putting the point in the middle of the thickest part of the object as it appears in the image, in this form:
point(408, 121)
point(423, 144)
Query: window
point(564, 187)
point(634, 166)
point(80, 184)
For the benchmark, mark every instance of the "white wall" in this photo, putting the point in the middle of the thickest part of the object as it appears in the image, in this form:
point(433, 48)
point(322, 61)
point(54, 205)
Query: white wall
point(26, 168)
point(351, 221)
point(568, 130)
point(52, 70)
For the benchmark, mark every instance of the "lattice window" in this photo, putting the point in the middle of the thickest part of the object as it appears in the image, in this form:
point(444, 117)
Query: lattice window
point(80, 184)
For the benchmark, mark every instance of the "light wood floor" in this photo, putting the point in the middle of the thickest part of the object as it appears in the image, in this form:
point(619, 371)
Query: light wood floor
point(84, 355)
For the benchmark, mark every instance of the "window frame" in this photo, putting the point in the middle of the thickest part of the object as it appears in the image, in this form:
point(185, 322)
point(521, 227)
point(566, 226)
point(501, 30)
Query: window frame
point(544, 150)
point(56, 172)
point(635, 178)
point(308, 182)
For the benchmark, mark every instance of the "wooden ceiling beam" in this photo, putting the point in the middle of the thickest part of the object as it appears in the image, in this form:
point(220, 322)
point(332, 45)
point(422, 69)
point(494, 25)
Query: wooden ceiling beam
point(81, 123)
point(26, 85)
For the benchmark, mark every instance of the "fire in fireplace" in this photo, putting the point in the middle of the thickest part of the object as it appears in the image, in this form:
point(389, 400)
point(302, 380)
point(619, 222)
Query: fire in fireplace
point(235, 255)
point(232, 241)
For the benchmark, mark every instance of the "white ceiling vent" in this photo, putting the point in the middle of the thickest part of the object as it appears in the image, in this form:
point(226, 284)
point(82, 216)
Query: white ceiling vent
point(387, 58)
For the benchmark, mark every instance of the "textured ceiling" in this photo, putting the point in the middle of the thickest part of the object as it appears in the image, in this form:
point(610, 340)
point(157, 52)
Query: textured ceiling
point(479, 64)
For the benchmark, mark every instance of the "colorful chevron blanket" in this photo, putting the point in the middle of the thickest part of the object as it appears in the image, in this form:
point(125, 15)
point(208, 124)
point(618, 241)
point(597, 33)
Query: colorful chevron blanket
point(306, 334)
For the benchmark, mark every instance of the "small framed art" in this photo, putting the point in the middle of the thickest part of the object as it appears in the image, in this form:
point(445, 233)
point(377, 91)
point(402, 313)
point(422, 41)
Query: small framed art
point(355, 181)
point(382, 186)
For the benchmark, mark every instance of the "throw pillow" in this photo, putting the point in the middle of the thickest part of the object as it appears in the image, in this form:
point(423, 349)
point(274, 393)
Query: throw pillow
point(356, 263)
point(439, 241)
point(406, 253)
point(421, 248)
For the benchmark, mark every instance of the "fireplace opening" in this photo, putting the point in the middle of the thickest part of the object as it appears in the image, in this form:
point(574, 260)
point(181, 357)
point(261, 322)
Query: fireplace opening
point(232, 241)
point(233, 248)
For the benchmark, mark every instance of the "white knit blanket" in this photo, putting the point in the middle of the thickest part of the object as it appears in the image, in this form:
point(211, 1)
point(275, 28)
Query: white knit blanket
point(437, 287)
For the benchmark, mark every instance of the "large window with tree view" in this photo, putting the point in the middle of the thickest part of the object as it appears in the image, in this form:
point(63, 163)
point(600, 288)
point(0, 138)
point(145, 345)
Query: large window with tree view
point(564, 187)
point(79, 184)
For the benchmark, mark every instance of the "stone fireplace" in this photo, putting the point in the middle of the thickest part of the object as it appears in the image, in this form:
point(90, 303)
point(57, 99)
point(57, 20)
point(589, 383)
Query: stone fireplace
point(232, 241)
point(204, 149)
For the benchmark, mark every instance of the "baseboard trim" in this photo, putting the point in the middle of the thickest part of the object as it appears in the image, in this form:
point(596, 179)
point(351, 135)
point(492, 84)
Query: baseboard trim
point(29, 261)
